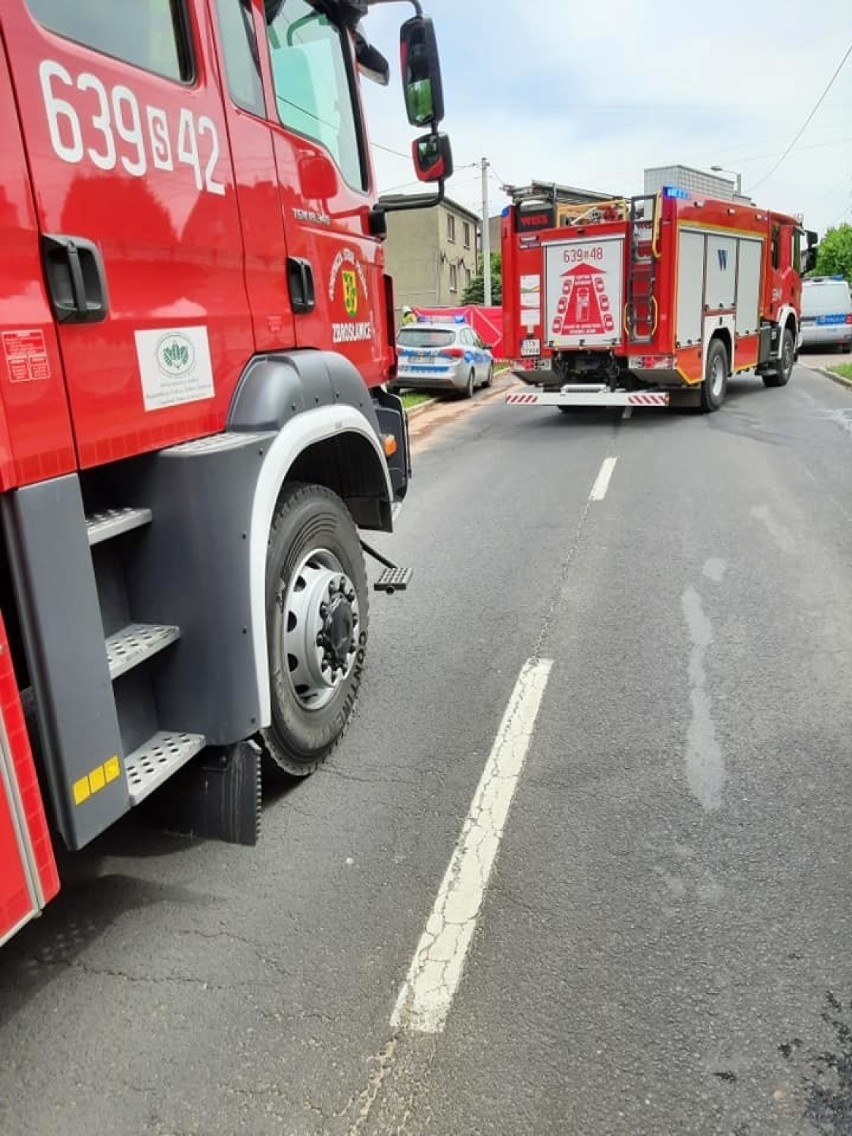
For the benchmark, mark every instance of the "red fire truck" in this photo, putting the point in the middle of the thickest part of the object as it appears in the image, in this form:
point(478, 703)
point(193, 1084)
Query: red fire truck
point(195, 334)
point(650, 300)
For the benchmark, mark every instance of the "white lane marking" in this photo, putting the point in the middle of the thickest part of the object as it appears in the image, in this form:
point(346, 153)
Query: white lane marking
point(433, 977)
point(705, 762)
point(714, 569)
point(602, 480)
point(781, 535)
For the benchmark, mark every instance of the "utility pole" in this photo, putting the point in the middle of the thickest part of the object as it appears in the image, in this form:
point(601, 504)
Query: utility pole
point(486, 237)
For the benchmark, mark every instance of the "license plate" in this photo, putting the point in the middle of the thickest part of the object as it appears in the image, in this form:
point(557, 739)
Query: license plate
point(530, 347)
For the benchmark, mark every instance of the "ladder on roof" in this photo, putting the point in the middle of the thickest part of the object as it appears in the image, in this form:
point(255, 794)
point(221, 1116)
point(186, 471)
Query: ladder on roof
point(642, 309)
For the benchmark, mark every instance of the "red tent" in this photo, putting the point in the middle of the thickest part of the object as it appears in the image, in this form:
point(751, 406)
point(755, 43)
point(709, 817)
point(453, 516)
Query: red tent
point(486, 322)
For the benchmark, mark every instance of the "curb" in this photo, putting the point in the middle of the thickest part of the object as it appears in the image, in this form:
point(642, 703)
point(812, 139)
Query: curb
point(421, 406)
point(835, 378)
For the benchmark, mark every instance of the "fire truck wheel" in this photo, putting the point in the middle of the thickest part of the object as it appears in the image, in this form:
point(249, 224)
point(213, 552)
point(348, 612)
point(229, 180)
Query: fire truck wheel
point(785, 362)
point(715, 383)
point(317, 612)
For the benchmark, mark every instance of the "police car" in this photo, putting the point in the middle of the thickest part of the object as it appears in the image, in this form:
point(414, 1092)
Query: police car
point(442, 356)
point(826, 313)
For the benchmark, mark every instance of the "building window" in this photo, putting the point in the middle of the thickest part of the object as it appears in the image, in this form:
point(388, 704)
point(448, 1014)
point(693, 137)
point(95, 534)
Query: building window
point(467, 277)
point(151, 34)
point(454, 278)
point(451, 227)
point(466, 234)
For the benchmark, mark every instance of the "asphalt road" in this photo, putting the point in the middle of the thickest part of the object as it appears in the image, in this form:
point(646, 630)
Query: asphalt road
point(653, 888)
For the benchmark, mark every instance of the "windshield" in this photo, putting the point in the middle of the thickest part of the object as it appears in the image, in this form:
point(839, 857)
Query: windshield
point(426, 337)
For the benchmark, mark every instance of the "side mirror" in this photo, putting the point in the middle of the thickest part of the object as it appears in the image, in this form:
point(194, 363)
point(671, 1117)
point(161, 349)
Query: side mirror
point(433, 157)
point(421, 72)
point(809, 256)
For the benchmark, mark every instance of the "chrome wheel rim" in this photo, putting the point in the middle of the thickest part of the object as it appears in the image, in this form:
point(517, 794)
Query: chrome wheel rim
point(321, 625)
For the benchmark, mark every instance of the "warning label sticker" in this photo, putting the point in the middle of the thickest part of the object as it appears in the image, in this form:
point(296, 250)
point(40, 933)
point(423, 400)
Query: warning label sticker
point(584, 292)
point(26, 355)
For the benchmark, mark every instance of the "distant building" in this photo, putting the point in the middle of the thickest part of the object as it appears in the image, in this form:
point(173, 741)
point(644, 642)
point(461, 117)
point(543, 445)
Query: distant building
point(432, 254)
point(693, 181)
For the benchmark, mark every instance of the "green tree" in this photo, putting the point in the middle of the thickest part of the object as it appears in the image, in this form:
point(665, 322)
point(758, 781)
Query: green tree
point(834, 256)
point(475, 291)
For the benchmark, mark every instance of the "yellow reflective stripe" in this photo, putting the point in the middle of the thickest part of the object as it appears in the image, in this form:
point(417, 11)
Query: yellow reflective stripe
point(96, 779)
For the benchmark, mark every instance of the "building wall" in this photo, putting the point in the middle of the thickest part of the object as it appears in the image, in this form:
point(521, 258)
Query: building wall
point(422, 250)
point(692, 180)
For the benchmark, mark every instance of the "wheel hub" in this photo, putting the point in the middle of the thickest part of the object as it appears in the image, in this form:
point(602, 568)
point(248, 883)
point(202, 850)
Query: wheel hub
point(321, 621)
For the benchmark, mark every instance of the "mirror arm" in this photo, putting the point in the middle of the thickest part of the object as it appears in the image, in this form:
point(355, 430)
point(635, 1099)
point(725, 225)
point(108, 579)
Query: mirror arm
point(418, 11)
point(415, 201)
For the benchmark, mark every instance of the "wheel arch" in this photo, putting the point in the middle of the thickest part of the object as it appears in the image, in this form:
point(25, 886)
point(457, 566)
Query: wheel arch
point(327, 432)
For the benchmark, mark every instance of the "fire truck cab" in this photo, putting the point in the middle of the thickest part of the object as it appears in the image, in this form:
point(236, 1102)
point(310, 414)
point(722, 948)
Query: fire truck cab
point(196, 330)
point(648, 300)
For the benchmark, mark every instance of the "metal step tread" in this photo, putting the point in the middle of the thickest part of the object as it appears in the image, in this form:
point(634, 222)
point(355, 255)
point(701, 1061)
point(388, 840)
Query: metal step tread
point(393, 580)
point(135, 643)
point(112, 522)
point(155, 761)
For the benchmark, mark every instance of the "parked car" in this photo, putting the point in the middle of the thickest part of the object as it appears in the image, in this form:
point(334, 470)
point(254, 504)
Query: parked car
point(442, 357)
point(827, 313)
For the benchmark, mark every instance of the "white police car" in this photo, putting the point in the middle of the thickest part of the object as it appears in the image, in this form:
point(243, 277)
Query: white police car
point(826, 313)
point(446, 356)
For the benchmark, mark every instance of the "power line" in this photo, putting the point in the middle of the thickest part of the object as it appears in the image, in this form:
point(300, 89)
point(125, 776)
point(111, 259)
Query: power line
point(807, 121)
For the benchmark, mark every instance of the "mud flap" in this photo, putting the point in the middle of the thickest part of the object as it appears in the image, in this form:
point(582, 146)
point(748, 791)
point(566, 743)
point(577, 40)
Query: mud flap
point(217, 797)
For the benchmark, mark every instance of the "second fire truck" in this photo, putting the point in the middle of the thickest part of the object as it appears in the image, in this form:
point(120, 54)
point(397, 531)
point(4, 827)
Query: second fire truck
point(651, 300)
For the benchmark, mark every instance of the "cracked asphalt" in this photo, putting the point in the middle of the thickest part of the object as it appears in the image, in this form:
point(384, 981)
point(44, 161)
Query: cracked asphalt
point(664, 943)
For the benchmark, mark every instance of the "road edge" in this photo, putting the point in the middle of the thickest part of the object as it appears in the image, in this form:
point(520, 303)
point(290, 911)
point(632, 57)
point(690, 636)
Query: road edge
point(835, 378)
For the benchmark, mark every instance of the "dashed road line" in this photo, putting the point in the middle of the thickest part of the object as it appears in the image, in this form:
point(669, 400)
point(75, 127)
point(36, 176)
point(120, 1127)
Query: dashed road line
point(602, 480)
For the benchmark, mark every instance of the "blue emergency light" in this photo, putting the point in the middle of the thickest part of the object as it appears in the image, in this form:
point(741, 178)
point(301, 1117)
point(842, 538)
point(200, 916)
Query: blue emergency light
point(675, 191)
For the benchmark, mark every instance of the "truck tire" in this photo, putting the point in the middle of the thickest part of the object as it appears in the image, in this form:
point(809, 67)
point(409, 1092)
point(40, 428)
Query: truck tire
point(317, 607)
point(715, 384)
point(785, 362)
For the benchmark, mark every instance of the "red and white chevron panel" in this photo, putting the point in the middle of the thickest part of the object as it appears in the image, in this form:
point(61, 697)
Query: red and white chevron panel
point(648, 398)
point(524, 397)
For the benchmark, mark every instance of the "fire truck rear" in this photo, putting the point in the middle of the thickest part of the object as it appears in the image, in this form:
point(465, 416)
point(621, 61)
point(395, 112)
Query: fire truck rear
point(196, 333)
point(651, 300)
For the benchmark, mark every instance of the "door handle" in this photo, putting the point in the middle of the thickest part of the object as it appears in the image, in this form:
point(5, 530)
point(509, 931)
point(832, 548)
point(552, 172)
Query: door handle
point(300, 281)
point(76, 281)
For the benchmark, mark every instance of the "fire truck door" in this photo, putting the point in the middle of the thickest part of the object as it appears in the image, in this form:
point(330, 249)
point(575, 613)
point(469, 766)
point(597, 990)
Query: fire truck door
point(324, 176)
point(127, 147)
point(35, 427)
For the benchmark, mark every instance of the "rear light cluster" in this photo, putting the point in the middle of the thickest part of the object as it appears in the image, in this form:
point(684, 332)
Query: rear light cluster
point(653, 363)
point(849, 318)
point(452, 352)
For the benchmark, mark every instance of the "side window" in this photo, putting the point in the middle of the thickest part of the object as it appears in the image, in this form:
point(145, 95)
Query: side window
point(239, 47)
point(151, 34)
point(797, 249)
point(312, 75)
point(776, 246)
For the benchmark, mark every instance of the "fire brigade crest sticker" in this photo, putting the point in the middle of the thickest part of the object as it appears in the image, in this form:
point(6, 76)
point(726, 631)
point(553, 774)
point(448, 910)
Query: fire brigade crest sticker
point(348, 295)
point(350, 292)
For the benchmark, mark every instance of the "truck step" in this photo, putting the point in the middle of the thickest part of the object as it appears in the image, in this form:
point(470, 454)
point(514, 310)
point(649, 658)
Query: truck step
point(135, 643)
point(393, 580)
point(112, 522)
point(157, 759)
